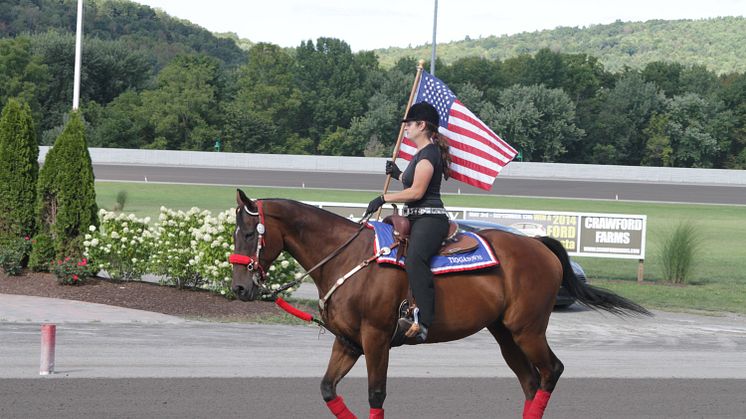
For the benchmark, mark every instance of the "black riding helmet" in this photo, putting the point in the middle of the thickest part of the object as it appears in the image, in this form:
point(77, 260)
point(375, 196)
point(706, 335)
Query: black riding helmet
point(423, 111)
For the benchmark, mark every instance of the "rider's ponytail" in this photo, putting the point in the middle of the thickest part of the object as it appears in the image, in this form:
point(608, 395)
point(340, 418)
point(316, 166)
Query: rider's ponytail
point(442, 142)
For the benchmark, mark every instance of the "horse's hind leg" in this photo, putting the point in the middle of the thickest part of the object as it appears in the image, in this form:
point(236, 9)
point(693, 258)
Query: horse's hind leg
point(527, 375)
point(341, 362)
point(534, 345)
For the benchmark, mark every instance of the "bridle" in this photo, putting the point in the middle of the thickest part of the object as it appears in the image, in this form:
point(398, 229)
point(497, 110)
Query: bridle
point(252, 262)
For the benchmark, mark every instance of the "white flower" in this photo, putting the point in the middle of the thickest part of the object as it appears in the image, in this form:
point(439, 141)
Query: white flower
point(272, 268)
point(147, 220)
point(132, 217)
point(94, 242)
point(114, 235)
point(125, 230)
point(87, 243)
point(88, 236)
point(298, 275)
point(134, 260)
point(284, 264)
point(91, 228)
point(124, 240)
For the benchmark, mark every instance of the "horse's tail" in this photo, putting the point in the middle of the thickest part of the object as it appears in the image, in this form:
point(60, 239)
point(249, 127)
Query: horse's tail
point(588, 295)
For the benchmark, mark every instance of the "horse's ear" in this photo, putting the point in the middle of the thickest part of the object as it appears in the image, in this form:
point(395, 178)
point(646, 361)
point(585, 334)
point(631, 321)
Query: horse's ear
point(243, 200)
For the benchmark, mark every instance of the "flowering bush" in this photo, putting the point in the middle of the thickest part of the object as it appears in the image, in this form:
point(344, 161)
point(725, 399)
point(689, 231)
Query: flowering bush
point(71, 271)
point(211, 246)
point(172, 249)
point(189, 249)
point(121, 246)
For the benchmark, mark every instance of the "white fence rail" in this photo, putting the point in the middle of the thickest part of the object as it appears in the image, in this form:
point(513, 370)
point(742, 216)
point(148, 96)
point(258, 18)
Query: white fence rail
point(516, 169)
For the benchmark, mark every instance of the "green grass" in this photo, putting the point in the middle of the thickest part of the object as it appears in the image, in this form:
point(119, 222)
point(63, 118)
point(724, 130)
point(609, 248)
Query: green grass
point(719, 273)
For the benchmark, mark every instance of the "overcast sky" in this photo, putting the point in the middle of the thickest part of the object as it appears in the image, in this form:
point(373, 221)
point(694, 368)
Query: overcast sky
point(375, 24)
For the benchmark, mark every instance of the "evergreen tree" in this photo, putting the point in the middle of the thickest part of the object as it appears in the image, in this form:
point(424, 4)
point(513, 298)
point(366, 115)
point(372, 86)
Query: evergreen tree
point(66, 198)
point(19, 171)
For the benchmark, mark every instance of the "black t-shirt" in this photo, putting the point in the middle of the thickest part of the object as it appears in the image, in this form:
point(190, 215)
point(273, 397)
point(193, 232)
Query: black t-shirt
point(431, 198)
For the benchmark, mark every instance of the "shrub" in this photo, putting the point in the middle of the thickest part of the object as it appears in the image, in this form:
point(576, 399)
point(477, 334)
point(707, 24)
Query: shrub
point(173, 247)
point(19, 154)
point(71, 271)
point(121, 201)
point(13, 251)
point(66, 198)
point(211, 246)
point(121, 246)
point(678, 252)
point(42, 252)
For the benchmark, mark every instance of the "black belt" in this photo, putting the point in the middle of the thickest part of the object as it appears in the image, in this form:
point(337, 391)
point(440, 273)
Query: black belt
point(423, 211)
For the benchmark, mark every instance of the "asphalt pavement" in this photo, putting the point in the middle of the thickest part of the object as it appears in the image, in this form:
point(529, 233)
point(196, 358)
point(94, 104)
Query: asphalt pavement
point(591, 344)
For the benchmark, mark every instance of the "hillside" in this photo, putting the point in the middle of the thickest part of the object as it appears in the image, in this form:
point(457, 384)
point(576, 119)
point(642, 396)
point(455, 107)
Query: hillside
point(715, 43)
point(160, 36)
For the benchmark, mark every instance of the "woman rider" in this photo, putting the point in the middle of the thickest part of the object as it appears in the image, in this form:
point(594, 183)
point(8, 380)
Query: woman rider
point(424, 208)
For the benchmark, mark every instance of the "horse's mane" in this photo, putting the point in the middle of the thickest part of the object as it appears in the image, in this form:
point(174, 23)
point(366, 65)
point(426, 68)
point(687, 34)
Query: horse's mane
point(332, 217)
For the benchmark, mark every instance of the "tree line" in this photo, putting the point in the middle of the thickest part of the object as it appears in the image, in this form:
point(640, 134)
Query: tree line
point(323, 98)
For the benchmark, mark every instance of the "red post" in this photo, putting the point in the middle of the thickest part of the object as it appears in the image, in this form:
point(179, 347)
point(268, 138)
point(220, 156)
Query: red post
point(48, 340)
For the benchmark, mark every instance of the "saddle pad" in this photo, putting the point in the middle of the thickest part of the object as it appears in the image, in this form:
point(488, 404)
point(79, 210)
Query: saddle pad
point(480, 258)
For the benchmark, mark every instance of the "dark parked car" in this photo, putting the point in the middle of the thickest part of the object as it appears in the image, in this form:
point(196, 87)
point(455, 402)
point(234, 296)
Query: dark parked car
point(563, 298)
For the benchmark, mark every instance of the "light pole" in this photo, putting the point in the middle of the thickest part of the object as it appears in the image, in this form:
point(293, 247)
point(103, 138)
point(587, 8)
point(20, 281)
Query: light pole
point(78, 53)
point(435, 29)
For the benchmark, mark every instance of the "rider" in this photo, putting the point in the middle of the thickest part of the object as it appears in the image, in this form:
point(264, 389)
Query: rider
point(424, 208)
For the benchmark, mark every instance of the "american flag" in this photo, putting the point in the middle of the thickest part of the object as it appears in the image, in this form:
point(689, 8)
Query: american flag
point(477, 153)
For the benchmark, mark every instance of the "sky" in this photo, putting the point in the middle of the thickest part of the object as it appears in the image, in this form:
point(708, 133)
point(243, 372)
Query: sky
point(373, 24)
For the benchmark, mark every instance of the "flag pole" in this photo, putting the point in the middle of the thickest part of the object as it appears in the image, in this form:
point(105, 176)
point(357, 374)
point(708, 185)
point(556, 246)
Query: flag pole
point(78, 53)
point(412, 94)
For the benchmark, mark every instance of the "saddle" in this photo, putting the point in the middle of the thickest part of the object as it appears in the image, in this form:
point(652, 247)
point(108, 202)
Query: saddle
point(454, 243)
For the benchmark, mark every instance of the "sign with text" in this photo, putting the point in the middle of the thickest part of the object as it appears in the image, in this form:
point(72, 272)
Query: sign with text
point(620, 236)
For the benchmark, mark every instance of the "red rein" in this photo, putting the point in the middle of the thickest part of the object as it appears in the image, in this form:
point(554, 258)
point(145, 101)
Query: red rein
point(292, 310)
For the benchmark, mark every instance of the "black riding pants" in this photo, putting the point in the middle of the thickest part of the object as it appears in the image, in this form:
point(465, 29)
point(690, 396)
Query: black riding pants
point(425, 238)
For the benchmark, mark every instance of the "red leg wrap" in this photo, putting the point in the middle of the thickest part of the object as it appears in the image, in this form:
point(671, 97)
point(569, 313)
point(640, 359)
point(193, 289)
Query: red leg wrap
point(376, 413)
point(339, 408)
point(538, 405)
point(526, 407)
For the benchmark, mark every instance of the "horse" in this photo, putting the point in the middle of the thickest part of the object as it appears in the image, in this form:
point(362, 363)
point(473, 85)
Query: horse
point(513, 300)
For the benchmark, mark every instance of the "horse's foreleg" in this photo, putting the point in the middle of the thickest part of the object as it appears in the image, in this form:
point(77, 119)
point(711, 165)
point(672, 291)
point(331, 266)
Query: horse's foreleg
point(550, 368)
point(527, 375)
point(341, 362)
point(376, 347)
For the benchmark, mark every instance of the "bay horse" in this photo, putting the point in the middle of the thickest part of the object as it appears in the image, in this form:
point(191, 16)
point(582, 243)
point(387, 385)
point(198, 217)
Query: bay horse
point(513, 300)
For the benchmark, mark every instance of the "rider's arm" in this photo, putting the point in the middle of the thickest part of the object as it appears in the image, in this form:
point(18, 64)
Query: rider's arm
point(423, 172)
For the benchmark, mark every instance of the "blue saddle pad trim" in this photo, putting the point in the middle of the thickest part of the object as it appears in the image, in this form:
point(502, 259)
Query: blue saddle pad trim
point(480, 258)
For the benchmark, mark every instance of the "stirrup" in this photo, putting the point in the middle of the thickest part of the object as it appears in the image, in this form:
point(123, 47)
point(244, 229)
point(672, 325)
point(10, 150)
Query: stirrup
point(402, 326)
point(407, 329)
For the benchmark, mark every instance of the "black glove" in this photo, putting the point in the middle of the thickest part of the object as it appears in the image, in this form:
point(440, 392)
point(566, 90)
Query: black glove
point(374, 205)
point(392, 169)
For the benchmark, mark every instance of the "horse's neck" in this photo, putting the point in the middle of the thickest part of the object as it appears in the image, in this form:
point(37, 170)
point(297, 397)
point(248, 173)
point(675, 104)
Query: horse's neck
point(320, 235)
